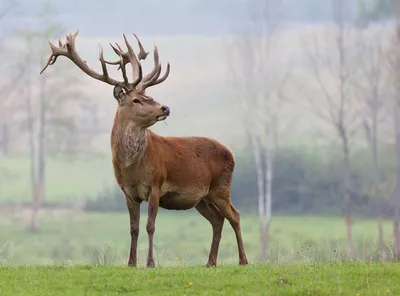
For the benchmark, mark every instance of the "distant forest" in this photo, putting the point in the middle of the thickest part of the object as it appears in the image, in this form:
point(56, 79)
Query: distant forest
point(156, 17)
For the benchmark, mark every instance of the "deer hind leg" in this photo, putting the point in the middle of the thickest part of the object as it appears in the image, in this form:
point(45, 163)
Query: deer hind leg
point(211, 213)
point(220, 197)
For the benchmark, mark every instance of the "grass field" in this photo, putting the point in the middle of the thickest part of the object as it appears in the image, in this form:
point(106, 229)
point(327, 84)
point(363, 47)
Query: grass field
point(299, 279)
point(76, 253)
point(181, 239)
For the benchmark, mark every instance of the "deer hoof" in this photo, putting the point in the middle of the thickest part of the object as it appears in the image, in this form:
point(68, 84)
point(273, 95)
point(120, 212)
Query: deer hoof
point(132, 264)
point(211, 264)
point(150, 264)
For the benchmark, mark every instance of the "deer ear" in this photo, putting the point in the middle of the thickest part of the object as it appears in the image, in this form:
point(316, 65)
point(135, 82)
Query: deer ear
point(119, 93)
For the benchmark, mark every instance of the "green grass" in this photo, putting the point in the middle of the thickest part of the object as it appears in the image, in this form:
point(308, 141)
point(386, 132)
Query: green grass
point(86, 254)
point(181, 239)
point(299, 279)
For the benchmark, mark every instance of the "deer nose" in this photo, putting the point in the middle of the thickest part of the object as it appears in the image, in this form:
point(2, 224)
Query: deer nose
point(165, 110)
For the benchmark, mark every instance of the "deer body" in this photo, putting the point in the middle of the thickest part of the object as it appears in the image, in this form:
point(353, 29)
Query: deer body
point(175, 173)
point(185, 168)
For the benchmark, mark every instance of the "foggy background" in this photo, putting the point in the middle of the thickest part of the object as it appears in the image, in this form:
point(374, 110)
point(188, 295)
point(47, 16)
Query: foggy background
point(306, 94)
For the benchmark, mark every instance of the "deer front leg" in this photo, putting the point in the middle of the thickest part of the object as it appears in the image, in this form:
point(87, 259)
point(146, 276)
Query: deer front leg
point(151, 222)
point(134, 217)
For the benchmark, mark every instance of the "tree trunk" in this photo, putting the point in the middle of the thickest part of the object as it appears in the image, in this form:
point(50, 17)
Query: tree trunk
point(42, 144)
point(268, 199)
point(376, 176)
point(396, 221)
point(35, 189)
point(381, 242)
point(32, 152)
point(346, 192)
point(349, 235)
point(264, 236)
point(396, 195)
point(260, 185)
point(377, 197)
point(33, 224)
point(5, 139)
point(41, 173)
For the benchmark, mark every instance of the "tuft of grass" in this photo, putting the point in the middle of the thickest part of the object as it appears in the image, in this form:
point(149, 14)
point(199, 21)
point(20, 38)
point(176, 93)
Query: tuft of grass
point(295, 279)
point(103, 256)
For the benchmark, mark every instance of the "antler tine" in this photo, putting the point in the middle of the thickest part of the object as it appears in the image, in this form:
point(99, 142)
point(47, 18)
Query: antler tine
point(71, 38)
point(55, 52)
point(120, 62)
point(102, 61)
point(119, 47)
point(126, 58)
point(135, 63)
point(119, 53)
point(164, 77)
point(156, 68)
point(142, 53)
point(126, 61)
point(69, 51)
point(155, 77)
point(152, 78)
point(139, 78)
point(123, 70)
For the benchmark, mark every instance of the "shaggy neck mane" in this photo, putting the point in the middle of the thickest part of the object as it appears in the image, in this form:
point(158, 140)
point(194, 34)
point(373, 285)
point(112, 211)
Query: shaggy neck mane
point(131, 141)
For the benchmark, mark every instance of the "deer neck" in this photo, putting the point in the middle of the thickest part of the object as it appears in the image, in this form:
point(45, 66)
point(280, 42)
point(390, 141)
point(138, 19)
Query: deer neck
point(130, 142)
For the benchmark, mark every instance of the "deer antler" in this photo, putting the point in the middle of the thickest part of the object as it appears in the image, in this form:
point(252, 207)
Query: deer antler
point(68, 50)
point(151, 79)
point(141, 83)
point(141, 56)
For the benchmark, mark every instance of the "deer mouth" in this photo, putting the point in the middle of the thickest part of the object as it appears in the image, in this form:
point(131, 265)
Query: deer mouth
point(161, 117)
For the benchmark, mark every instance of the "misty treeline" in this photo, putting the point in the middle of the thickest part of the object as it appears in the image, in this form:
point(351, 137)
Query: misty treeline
point(40, 115)
point(351, 86)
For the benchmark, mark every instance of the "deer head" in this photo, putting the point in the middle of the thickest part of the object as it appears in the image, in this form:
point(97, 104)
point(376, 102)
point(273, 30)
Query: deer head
point(133, 103)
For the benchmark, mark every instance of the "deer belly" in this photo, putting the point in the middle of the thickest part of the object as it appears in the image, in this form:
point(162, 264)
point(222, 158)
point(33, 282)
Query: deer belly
point(182, 199)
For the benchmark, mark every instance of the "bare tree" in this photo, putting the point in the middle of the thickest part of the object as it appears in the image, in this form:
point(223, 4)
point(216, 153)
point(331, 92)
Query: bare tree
point(259, 91)
point(334, 64)
point(371, 84)
point(50, 109)
point(394, 78)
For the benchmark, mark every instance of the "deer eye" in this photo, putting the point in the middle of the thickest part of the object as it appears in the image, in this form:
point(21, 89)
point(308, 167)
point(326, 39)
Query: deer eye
point(136, 100)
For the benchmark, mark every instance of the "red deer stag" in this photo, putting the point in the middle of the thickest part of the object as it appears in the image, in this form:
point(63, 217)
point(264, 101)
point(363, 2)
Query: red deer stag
point(175, 173)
